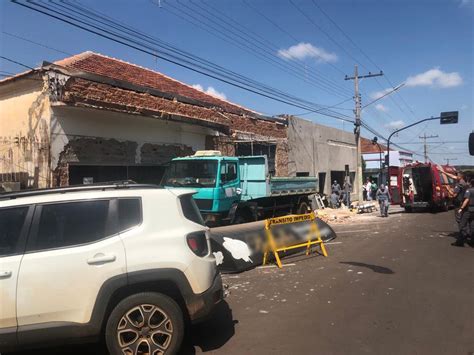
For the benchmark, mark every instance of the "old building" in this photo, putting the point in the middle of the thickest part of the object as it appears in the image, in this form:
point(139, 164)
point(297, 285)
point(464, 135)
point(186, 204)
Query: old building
point(91, 118)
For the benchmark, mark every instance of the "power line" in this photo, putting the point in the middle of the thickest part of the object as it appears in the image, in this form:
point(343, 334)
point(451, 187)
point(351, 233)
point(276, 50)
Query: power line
point(272, 46)
point(16, 62)
point(118, 26)
point(33, 42)
point(324, 32)
point(367, 57)
point(173, 55)
point(332, 106)
point(249, 43)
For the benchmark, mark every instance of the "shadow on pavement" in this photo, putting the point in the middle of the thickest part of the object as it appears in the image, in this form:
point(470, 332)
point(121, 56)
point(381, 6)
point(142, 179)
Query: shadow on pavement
point(374, 268)
point(211, 334)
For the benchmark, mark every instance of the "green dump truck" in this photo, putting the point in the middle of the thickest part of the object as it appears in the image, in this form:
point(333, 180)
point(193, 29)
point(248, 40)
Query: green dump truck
point(232, 190)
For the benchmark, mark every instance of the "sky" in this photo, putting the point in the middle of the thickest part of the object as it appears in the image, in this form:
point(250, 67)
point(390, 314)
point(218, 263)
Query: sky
point(302, 47)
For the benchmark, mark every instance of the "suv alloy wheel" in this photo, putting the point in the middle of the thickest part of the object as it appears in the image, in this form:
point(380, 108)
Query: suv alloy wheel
point(145, 323)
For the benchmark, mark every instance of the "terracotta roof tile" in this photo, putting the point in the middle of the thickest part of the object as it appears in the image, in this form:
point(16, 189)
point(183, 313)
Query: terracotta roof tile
point(120, 70)
point(367, 147)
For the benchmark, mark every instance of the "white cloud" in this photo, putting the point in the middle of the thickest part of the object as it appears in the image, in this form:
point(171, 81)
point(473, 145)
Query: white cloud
point(395, 124)
point(378, 94)
point(210, 91)
point(464, 107)
point(466, 3)
point(307, 50)
point(435, 78)
point(381, 108)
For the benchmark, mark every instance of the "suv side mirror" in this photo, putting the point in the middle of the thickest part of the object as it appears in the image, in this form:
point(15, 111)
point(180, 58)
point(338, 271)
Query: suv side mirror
point(471, 143)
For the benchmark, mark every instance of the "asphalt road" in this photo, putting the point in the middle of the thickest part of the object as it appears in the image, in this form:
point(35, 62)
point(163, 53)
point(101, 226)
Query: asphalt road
point(389, 286)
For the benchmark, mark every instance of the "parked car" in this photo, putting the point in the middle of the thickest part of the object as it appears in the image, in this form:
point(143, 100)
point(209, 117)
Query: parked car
point(427, 185)
point(128, 263)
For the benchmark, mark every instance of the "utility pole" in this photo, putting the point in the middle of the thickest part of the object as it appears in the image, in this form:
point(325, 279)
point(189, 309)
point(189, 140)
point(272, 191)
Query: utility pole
point(425, 147)
point(358, 122)
point(449, 159)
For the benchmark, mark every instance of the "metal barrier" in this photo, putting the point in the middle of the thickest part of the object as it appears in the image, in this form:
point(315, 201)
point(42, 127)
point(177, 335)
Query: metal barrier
point(314, 232)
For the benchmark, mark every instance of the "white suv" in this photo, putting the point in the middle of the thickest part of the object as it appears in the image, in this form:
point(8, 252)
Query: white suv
point(128, 262)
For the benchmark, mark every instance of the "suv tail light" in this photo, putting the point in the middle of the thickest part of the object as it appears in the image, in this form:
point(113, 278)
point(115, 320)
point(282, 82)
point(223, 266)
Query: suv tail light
point(197, 242)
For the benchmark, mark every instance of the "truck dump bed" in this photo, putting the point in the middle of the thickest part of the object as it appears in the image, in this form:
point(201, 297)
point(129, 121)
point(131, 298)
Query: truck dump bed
point(255, 184)
point(293, 185)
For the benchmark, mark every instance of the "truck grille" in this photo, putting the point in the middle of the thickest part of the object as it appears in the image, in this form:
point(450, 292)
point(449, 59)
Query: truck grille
point(204, 204)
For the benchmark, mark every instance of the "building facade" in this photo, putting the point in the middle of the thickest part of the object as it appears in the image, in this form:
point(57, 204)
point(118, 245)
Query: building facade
point(325, 152)
point(91, 118)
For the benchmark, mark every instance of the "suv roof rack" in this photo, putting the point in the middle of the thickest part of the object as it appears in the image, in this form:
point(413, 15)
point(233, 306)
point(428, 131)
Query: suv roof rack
point(123, 184)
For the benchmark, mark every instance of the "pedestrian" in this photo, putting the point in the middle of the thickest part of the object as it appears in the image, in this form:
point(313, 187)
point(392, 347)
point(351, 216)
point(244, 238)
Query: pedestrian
point(335, 187)
point(368, 189)
point(467, 216)
point(460, 189)
point(373, 189)
point(334, 200)
point(383, 196)
point(347, 193)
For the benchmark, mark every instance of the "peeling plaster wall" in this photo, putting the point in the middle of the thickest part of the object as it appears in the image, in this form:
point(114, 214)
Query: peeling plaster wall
point(24, 132)
point(98, 137)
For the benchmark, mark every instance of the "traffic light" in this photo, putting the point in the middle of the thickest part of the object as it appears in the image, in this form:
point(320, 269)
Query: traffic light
point(449, 117)
point(386, 160)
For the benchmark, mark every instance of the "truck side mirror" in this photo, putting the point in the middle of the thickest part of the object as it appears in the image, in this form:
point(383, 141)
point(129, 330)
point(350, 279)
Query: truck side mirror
point(471, 143)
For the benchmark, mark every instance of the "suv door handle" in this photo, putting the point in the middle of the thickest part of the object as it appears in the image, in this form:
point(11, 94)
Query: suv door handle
point(101, 259)
point(5, 274)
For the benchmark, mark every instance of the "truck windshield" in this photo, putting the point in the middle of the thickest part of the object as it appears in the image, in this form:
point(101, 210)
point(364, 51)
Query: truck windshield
point(191, 173)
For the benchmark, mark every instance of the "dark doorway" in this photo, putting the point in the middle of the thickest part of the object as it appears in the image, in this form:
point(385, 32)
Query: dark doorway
point(338, 176)
point(322, 182)
point(80, 174)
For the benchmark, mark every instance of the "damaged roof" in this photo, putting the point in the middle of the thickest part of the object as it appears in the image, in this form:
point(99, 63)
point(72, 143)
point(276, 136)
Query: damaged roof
point(113, 68)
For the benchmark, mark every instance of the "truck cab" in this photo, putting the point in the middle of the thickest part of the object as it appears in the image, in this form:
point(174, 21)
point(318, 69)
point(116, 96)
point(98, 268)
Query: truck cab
point(215, 178)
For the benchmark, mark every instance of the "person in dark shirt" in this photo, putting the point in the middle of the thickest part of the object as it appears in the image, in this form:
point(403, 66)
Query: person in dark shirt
point(335, 187)
point(466, 212)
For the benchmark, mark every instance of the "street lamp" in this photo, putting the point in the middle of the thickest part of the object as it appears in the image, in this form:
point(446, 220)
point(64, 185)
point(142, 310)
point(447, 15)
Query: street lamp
point(375, 142)
point(444, 118)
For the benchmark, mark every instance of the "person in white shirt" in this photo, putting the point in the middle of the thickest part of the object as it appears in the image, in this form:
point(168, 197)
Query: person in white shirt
point(368, 188)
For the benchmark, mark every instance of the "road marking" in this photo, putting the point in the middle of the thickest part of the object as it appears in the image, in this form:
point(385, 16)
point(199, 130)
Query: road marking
point(331, 243)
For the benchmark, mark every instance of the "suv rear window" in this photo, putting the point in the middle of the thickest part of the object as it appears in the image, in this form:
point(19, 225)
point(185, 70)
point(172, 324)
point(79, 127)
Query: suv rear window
point(190, 209)
point(11, 223)
point(71, 223)
point(130, 213)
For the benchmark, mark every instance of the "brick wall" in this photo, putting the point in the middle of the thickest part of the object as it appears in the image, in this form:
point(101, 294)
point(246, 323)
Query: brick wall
point(79, 91)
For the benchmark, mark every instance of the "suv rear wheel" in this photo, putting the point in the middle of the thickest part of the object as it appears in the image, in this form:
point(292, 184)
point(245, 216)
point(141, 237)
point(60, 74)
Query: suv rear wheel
point(145, 323)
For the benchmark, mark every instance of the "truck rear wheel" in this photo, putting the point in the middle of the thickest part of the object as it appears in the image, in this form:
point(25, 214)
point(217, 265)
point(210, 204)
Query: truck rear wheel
point(303, 208)
point(243, 216)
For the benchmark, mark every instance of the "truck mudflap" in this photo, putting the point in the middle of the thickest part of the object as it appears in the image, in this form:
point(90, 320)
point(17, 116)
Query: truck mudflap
point(240, 247)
